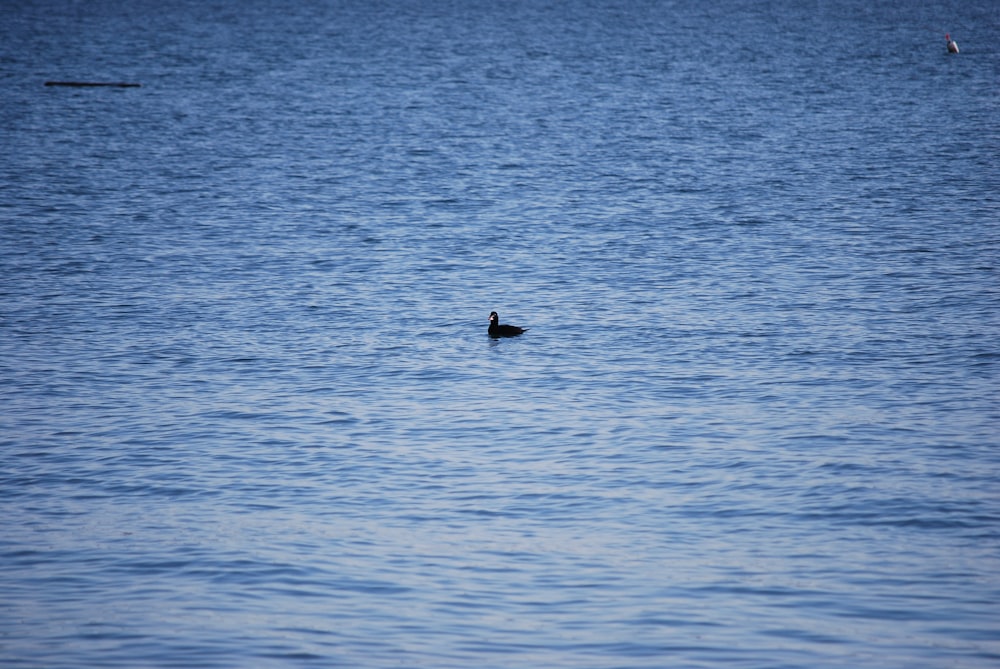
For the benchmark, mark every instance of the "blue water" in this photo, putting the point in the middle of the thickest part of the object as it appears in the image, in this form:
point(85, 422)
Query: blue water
point(250, 415)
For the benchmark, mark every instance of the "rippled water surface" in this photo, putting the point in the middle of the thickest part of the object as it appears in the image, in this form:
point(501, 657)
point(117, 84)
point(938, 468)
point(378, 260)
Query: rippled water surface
point(250, 415)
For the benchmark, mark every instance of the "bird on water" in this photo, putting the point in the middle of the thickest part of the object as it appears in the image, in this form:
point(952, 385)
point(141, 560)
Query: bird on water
point(498, 330)
point(952, 46)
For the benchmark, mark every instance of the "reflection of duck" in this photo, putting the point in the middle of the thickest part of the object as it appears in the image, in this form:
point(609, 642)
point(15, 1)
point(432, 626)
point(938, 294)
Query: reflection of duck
point(497, 330)
point(952, 47)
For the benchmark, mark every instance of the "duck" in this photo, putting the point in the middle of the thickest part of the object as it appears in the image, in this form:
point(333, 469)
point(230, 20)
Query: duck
point(497, 330)
point(952, 46)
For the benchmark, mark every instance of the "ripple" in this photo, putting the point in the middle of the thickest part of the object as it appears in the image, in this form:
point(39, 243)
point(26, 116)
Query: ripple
point(251, 417)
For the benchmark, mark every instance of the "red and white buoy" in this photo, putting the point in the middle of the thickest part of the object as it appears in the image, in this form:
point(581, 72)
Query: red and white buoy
point(952, 47)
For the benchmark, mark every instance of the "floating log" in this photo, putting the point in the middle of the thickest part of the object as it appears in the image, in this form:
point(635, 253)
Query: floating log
point(92, 83)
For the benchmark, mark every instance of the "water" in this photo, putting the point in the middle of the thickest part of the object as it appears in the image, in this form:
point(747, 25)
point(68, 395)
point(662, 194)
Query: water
point(250, 415)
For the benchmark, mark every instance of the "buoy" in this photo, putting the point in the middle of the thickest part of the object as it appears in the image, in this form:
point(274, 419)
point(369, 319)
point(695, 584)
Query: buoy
point(92, 83)
point(952, 47)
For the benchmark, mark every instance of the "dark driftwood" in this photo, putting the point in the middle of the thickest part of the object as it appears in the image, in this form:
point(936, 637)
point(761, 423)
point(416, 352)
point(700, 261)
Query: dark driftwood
point(92, 83)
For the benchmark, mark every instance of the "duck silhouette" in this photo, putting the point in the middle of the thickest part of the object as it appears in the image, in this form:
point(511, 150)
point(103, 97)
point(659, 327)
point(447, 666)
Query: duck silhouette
point(498, 330)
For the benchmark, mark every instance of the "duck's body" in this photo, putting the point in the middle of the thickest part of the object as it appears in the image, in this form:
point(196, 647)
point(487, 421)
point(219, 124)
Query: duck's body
point(498, 330)
point(952, 46)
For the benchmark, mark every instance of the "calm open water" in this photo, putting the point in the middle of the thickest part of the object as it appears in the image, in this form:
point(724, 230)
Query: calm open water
point(250, 415)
